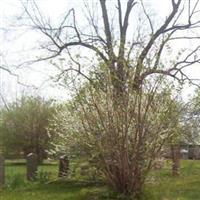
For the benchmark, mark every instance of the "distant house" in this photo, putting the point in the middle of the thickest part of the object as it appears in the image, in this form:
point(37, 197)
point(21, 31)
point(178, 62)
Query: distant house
point(190, 151)
point(187, 151)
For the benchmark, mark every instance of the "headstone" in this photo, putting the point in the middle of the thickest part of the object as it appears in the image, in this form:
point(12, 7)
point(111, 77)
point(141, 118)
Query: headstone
point(63, 166)
point(32, 164)
point(2, 170)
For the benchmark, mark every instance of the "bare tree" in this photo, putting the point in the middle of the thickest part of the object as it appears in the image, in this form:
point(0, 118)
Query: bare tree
point(134, 68)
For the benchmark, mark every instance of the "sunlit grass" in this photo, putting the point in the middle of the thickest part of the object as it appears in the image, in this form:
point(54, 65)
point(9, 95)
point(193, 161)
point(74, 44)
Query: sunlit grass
point(160, 185)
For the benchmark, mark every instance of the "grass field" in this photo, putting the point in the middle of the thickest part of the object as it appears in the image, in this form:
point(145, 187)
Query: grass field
point(160, 185)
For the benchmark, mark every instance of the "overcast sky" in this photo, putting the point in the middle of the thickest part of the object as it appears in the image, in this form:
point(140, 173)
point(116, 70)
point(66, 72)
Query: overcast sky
point(17, 44)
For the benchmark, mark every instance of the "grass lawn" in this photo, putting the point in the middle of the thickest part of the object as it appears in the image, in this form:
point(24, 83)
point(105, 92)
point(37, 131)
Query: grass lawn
point(160, 185)
point(165, 187)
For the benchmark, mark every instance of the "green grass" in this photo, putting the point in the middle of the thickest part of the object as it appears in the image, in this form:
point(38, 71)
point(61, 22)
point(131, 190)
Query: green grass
point(165, 187)
point(58, 191)
point(160, 185)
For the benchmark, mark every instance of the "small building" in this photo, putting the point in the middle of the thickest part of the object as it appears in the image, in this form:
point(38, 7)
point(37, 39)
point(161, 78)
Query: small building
point(193, 151)
point(187, 151)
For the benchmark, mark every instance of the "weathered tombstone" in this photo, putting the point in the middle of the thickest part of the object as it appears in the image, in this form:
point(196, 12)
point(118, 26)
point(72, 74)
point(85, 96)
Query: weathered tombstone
point(63, 166)
point(32, 164)
point(2, 170)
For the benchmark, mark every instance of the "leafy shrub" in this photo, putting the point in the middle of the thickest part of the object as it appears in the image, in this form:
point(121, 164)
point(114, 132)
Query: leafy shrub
point(86, 171)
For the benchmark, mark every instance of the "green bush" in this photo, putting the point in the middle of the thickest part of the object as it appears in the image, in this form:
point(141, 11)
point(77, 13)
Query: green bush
point(85, 171)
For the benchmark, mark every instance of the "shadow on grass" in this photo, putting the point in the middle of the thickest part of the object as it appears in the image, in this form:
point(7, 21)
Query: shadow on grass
point(23, 163)
point(66, 186)
point(73, 190)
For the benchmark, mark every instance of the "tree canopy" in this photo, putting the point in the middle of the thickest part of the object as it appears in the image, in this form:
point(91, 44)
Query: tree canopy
point(23, 126)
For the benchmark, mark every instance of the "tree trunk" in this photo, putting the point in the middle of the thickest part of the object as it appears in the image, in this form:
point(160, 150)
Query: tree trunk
point(137, 194)
point(127, 181)
point(40, 155)
point(175, 153)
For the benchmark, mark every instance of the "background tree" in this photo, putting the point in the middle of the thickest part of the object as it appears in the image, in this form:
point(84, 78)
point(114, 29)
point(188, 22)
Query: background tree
point(173, 145)
point(187, 132)
point(191, 119)
point(23, 126)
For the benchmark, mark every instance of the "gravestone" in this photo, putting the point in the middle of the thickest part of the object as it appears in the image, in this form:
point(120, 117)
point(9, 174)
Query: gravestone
point(32, 164)
point(63, 166)
point(2, 170)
